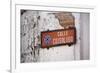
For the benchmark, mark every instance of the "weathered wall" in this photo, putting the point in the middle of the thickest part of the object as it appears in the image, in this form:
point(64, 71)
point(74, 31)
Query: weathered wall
point(28, 33)
point(32, 23)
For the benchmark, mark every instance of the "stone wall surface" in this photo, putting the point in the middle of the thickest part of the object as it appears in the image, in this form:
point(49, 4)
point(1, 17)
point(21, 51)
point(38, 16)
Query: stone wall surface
point(33, 23)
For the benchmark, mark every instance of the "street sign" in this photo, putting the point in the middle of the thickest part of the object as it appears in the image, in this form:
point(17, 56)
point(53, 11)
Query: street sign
point(58, 37)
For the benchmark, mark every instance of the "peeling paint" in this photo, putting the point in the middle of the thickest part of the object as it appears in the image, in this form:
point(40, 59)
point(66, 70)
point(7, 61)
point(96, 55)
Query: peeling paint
point(32, 23)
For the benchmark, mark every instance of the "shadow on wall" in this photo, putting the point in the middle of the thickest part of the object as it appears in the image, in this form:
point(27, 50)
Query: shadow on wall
point(85, 36)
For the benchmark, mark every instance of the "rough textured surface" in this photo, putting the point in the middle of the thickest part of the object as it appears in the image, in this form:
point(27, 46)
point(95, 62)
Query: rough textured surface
point(66, 19)
point(32, 23)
